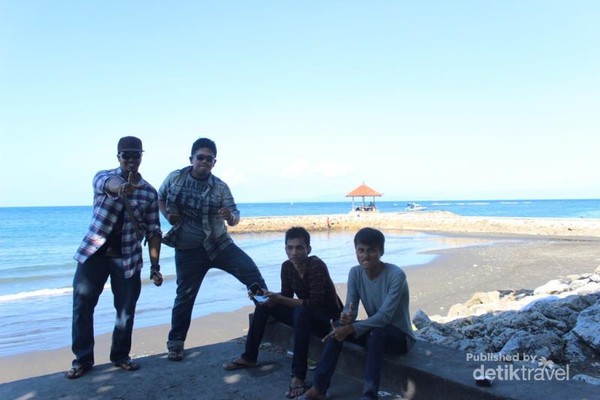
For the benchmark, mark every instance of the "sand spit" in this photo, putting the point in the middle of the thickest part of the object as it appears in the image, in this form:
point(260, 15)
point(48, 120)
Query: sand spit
point(437, 221)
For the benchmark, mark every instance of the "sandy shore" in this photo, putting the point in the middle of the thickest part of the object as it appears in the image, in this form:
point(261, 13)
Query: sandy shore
point(502, 262)
point(438, 221)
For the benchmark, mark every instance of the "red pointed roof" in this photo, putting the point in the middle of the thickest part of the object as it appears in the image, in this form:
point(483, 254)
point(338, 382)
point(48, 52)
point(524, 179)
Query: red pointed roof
point(363, 190)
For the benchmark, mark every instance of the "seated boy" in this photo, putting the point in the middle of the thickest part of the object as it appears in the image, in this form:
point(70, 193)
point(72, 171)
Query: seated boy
point(383, 291)
point(316, 303)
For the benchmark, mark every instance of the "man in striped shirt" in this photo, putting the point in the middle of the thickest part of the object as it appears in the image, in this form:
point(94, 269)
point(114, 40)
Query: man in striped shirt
point(125, 212)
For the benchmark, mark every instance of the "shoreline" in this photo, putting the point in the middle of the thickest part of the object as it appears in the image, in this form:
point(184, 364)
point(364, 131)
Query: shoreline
point(426, 221)
point(499, 261)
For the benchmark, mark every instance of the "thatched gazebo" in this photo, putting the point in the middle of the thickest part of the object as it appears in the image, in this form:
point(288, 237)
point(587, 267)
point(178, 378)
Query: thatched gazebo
point(364, 191)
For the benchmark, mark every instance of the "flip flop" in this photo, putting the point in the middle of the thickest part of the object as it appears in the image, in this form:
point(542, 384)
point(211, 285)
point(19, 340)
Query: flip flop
point(296, 390)
point(237, 364)
point(77, 371)
point(175, 355)
point(127, 365)
point(308, 396)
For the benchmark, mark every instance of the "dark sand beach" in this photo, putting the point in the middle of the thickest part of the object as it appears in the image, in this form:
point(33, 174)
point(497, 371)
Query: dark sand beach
point(527, 258)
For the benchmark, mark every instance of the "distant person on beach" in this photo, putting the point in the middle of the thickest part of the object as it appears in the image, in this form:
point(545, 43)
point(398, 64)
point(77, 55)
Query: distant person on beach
point(198, 204)
point(316, 303)
point(383, 291)
point(125, 212)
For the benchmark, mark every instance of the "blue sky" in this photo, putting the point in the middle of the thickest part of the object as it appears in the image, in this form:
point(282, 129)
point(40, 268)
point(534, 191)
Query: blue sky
point(422, 100)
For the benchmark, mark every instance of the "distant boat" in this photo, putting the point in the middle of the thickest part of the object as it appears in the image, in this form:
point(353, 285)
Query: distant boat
point(414, 207)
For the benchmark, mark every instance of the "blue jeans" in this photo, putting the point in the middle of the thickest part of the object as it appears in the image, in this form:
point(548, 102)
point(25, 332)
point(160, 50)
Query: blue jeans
point(88, 284)
point(301, 319)
point(377, 341)
point(191, 266)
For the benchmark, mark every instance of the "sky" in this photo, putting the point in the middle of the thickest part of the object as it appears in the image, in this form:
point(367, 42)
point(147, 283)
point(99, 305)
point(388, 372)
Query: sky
point(306, 100)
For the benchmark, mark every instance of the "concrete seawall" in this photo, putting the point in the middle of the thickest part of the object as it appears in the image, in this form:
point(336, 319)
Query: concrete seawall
point(430, 371)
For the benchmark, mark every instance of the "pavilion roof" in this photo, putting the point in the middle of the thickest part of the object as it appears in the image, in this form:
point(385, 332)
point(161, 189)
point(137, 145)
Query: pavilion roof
point(364, 190)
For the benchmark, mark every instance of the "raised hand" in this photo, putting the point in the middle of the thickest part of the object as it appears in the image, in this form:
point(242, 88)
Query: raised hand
point(346, 317)
point(225, 213)
point(133, 183)
point(330, 334)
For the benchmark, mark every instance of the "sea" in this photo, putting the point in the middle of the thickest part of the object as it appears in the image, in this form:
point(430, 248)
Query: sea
point(37, 245)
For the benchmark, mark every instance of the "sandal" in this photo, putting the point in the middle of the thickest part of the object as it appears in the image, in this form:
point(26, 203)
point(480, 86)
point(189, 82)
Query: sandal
point(76, 371)
point(239, 363)
point(127, 365)
point(311, 395)
point(296, 390)
point(175, 355)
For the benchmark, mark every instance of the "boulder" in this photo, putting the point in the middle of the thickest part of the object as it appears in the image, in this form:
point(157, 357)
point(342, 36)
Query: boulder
point(559, 321)
point(587, 327)
point(553, 287)
point(589, 288)
point(421, 320)
point(556, 308)
point(483, 298)
point(576, 350)
point(587, 379)
point(548, 345)
point(458, 310)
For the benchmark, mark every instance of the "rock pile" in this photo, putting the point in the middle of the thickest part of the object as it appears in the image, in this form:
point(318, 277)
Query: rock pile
point(558, 322)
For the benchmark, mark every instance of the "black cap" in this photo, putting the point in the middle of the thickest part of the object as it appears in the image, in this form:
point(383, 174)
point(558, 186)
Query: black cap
point(129, 143)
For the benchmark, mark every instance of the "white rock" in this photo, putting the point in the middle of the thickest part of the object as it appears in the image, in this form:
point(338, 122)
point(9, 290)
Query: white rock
point(458, 310)
point(559, 321)
point(537, 300)
point(483, 298)
point(575, 349)
point(588, 326)
point(552, 287)
point(591, 287)
point(421, 320)
point(587, 379)
point(577, 283)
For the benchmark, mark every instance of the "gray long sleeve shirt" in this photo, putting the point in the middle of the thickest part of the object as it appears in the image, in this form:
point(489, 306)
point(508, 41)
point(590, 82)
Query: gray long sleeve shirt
point(384, 298)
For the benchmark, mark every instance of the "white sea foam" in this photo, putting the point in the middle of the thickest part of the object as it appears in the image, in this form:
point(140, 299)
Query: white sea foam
point(39, 294)
point(36, 293)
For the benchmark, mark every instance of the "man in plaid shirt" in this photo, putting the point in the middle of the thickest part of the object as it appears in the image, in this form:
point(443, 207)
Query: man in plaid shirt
point(125, 212)
point(198, 205)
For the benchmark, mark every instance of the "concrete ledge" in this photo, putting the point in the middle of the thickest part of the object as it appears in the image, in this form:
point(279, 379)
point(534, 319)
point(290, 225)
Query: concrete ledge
point(430, 371)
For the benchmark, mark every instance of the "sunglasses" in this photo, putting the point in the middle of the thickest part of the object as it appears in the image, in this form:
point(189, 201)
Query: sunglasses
point(136, 155)
point(202, 157)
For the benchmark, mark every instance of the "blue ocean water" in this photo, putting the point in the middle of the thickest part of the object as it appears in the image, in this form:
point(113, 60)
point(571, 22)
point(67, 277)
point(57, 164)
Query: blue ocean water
point(37, 245)
point(587, 208)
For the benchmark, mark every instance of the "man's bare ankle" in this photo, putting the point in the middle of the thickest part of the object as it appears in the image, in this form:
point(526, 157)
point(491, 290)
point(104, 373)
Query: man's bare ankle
point(313, 393)
point(297, 381)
